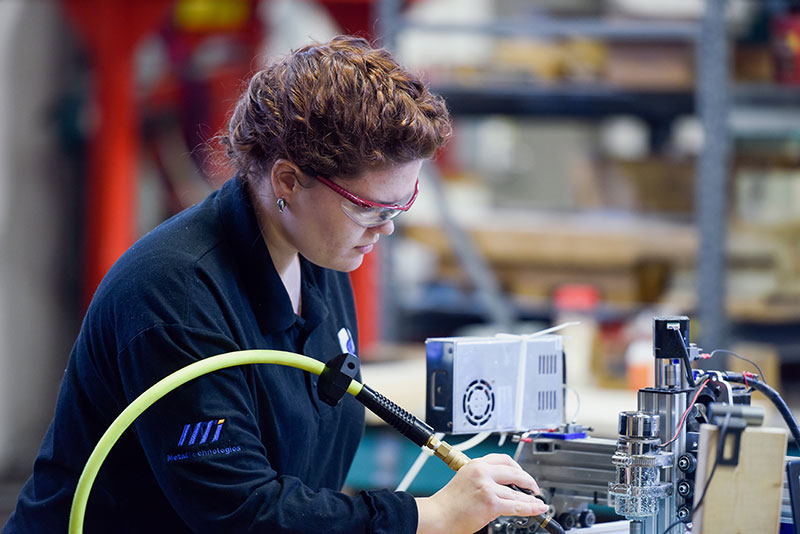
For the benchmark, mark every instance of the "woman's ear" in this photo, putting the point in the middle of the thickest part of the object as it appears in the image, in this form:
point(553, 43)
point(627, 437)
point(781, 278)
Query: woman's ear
point(284, 178)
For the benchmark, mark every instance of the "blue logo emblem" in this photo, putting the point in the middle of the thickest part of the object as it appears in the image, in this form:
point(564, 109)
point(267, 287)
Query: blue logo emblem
point(199, 434)
point(202, 431)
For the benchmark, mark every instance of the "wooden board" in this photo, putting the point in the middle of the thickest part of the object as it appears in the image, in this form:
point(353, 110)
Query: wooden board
point(577, 241)
point(745, 498)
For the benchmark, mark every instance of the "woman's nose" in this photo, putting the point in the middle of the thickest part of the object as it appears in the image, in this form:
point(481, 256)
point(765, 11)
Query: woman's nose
point(386, 228)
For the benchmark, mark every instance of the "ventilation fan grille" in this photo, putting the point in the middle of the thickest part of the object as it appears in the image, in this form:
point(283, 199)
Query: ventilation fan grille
point(478, 402)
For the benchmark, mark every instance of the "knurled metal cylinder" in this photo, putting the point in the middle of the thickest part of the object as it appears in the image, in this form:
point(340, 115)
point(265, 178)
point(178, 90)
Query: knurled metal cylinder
point(637, 488)
point(634, 424)
point(672, 375)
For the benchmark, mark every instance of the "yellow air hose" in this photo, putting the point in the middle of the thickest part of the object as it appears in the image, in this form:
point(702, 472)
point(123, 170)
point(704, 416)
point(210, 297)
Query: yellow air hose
point(405, 423)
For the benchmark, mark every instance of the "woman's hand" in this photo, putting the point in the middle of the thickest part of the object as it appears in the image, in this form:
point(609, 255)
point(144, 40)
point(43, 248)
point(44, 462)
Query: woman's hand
point(477, 494)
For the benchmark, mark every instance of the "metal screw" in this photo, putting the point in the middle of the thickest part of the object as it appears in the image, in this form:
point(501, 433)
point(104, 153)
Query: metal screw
point(684, 513)
point(685, 488)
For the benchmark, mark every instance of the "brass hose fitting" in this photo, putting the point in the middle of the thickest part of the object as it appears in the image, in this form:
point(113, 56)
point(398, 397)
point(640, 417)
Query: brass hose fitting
point(454, 458)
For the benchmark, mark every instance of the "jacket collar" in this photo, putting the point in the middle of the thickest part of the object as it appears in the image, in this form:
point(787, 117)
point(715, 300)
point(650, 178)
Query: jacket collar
point(263, 285)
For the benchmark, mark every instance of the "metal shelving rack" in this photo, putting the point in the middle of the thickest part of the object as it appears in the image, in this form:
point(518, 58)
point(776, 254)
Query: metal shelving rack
point(710, 98)
point(764, 110)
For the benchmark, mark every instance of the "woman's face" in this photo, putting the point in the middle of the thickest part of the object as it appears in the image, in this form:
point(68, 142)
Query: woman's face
point(318, 227)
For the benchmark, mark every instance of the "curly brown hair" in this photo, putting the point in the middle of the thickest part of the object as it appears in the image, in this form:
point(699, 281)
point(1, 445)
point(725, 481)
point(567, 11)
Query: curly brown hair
point(337, 109)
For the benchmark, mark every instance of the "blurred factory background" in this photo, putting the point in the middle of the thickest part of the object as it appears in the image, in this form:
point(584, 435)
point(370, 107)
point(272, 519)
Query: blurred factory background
point(613, 160)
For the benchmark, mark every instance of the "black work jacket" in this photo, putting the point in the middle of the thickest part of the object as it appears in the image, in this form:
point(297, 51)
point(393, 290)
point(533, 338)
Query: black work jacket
point(246, 449)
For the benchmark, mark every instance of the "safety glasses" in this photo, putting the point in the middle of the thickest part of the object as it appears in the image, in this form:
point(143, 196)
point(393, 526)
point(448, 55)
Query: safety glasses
point(366, 213)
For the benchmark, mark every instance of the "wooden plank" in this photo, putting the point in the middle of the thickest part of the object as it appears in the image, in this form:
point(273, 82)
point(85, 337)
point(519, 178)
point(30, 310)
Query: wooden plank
point(745, 498)
point(575, 241)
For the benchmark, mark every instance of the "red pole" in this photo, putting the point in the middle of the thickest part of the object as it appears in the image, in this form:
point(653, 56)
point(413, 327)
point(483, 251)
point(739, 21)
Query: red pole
point(110, 30)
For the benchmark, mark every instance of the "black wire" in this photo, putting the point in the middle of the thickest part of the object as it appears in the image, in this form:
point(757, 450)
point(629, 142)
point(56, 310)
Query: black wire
point(686, 359)
point(751, 362)
point(776, 399)
point(723, 433)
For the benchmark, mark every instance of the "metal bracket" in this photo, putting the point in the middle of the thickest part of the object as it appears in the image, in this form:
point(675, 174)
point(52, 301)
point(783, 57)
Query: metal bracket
point(734, 419)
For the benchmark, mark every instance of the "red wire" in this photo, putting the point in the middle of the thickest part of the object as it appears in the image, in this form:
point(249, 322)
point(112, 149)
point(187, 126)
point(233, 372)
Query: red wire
point(683, 417)
point(748, 374)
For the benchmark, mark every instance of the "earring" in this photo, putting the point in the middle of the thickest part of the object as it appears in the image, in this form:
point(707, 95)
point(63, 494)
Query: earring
point(281, 204)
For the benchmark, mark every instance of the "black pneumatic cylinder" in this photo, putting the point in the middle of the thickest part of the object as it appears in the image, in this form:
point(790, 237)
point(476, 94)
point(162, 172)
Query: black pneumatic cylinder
point(402, 421)
point(666, 343)
point(670, 341)
point(670, 335)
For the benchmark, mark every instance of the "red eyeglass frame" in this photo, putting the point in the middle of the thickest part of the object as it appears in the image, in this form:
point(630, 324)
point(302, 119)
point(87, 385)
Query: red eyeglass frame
point(358, 201)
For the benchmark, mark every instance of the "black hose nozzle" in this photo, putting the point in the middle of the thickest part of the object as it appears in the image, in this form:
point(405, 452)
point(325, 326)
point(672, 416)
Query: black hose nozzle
point(399, 419)
point(543, 520)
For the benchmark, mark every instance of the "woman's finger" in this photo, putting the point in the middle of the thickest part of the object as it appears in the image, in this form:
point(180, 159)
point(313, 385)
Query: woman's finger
point(509, 493)
point(516, 506)
point(508, 474)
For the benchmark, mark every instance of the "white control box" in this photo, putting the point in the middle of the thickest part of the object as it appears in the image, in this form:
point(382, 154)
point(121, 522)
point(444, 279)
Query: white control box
point(503, 383)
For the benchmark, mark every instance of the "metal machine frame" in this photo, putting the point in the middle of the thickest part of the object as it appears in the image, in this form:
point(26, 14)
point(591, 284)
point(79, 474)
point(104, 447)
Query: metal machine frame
point(647, 474)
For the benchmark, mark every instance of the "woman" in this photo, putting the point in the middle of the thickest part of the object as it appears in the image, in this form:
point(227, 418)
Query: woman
point(328, 143)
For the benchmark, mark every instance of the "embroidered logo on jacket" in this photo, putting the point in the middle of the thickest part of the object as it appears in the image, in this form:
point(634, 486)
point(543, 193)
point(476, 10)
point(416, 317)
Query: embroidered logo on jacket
point(204, 432)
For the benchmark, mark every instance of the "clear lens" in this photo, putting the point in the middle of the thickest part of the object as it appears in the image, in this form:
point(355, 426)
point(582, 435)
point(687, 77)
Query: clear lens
point(369, 217)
